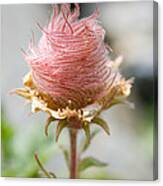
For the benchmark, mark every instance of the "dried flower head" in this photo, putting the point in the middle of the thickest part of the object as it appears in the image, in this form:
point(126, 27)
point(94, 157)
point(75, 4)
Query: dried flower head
point(72, 77)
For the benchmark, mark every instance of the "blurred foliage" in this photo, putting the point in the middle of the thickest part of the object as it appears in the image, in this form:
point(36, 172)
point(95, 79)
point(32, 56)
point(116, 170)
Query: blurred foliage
point(147, 130)
point(18, 151)
point(90, 162)
point(98, 174)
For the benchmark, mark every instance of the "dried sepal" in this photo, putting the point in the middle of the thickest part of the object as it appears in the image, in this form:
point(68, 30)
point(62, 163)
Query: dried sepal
point(23, 92)
point(100, 122)
point(117, 93)
point(86, 128)
point(124, 87)
point(60, 126)
point(28, 81)
point(48, 122)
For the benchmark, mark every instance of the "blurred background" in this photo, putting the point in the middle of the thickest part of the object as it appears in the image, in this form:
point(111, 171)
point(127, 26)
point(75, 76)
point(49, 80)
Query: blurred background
point(129, 150)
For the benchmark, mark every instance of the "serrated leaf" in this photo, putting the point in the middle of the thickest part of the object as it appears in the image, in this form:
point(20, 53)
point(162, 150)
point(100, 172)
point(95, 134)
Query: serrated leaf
point(61, 125)
point(99, 121)
point(48, 122)
point(90, 162)
point(85, 145)
point(86, 128)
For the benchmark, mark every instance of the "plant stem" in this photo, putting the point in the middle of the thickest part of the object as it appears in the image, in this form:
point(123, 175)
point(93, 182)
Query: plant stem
point(48, 174)
point(73, 153)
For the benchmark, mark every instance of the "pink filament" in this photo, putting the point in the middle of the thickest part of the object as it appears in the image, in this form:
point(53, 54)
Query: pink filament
point(71, 61)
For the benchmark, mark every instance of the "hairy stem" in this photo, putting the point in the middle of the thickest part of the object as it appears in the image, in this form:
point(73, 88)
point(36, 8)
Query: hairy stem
point(73, 153)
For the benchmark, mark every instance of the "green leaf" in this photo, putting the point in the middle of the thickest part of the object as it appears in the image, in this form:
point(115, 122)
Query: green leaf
point(61, 125)
point(90, 162)
point(85, 145)
point(99, 121)
point(87, 131)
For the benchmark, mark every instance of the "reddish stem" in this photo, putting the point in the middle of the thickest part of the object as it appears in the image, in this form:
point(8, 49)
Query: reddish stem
point(73, 153)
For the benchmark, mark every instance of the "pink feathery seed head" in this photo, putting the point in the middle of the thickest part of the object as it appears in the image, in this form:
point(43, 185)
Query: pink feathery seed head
point(71, 61)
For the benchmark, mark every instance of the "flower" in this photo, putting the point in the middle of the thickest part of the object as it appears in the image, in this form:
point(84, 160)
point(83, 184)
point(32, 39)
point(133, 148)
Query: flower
point(71, 75)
